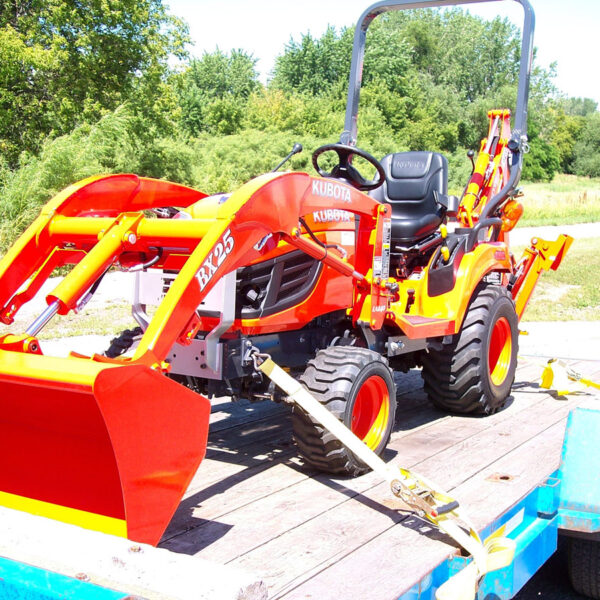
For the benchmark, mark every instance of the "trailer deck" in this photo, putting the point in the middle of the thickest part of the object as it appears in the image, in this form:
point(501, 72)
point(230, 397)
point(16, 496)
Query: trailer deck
point(254, 506)
point(257, 524)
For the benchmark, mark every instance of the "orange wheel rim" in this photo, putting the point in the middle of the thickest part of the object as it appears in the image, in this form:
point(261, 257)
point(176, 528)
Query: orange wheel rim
point(500, 351)
point(371, 411)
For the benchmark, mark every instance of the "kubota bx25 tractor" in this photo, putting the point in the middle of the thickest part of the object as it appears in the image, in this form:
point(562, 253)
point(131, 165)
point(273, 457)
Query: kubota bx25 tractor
point(340, 279)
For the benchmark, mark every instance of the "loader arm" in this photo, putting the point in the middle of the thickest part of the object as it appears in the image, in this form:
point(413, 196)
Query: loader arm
point(269, 205)
point(112, 444)
point(96, 200)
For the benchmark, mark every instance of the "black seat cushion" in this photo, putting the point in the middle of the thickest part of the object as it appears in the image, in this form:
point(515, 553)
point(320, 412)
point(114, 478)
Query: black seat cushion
point(411, 180)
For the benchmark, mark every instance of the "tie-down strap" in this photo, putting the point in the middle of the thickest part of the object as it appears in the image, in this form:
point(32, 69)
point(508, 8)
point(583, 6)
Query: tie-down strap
point(420, 494)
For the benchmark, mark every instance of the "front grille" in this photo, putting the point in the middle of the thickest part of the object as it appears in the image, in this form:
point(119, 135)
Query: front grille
point(275, 285)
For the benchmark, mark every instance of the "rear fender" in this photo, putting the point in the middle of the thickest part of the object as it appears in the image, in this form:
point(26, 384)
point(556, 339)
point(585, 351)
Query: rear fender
point(420, 314)
point(474, 266)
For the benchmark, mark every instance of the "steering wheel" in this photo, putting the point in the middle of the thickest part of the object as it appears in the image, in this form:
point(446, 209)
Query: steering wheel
point(344, 168)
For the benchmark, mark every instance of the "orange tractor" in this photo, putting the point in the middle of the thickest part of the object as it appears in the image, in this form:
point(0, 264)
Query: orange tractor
point(338, 278)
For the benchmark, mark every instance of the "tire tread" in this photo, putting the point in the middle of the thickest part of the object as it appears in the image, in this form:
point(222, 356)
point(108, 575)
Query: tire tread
point(330, 377)
point(453, 376)
point(584, 567)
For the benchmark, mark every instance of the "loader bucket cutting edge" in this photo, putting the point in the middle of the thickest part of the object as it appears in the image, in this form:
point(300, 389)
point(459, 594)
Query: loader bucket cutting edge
point(114, 454)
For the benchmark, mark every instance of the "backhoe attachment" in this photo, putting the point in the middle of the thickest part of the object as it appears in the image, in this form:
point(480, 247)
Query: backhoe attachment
point(539, 257)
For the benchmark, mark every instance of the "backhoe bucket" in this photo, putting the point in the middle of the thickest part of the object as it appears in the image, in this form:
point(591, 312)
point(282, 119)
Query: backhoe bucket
point(105, 446)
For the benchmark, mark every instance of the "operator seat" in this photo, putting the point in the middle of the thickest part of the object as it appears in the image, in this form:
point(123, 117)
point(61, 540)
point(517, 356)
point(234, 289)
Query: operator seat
point(414, 185)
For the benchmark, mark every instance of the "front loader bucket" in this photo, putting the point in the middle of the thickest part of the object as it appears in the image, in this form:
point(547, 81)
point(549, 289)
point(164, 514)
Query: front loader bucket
point(107, 447)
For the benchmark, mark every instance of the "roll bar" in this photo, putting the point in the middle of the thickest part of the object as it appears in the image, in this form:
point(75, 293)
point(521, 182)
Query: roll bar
point(519, 132)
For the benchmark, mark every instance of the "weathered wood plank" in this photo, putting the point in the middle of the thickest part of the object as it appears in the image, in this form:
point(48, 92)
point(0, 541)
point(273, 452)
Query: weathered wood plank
point(203, 508)
point(219, 488)
point(460, 462)
point(242, 454)
point(269, 427)
point(382, 568)
point(109, 561)
point(226, 414)
point(486, 497)
point(415, 446)
point(290, 525)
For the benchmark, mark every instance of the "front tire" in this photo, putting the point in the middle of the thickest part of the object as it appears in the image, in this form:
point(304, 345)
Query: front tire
point(474, 373)
point(357, 386)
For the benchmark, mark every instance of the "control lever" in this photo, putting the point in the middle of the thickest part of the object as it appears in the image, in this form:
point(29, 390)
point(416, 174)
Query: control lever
point(295, 150)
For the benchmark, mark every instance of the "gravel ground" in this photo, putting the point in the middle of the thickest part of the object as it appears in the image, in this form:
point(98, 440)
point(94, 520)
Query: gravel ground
point(522, 235)
point(573, 340)
point(115, 286)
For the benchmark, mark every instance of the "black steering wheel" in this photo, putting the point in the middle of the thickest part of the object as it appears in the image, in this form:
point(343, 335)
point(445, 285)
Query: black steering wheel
point(344, 168)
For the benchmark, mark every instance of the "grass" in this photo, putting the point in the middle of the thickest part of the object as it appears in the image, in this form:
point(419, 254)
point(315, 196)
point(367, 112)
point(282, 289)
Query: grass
point(113, 318)
point(572, 293)
point(568, 199)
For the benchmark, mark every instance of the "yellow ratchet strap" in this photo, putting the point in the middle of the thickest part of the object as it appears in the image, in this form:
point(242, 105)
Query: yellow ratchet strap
point(559, 377)
point(420, 494)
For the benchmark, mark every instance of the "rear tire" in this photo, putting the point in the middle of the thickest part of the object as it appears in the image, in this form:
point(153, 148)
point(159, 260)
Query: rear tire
point(357, 386)
point(584, 567)
point(475, 372)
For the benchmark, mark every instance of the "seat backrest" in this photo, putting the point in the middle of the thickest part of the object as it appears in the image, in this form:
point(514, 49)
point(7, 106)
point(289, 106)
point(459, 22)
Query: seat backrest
point(411, 180)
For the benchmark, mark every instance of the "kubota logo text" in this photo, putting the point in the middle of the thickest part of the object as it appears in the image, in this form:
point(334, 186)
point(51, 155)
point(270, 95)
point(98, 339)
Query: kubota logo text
point(215, 259)
point(410, 164)
point(328, 189)
point(332, 214)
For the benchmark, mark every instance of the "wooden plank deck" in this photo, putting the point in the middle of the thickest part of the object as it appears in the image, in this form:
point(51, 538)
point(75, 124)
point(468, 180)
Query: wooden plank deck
point(254, 505)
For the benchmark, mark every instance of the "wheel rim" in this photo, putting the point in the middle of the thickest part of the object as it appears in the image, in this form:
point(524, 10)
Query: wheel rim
point(500, 351)
point(370, 412)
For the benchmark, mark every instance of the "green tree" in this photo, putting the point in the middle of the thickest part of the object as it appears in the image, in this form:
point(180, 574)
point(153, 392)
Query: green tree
point(214, 89)
point(275, 110)
point(313, 65)
point(316, 66)
point(24, 103)
point(564, 134)
point(219, 74)
point(430, 75)
point(587, 149)
point(460, 50)
point(579, 107)
point(542, 162)
point(111, 145)
point(74, 60)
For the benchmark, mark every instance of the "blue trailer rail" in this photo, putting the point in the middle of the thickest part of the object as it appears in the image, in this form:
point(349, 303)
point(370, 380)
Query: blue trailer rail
point(580, 475)
point(24, 582)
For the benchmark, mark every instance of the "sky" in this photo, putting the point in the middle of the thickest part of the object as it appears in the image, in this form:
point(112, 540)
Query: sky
point(567, 31)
